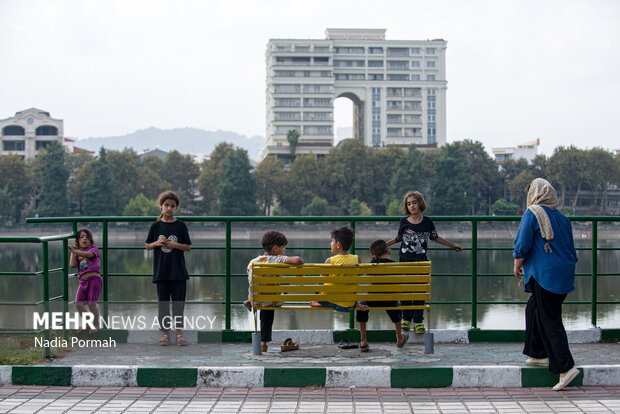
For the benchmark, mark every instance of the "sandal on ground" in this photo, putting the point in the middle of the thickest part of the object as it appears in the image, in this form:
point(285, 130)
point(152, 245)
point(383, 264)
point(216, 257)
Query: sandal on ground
point(289, 345)
point(181, 341)
point(344, 344)
point(405, 325)
point(263, 348)
point(165, 338)
point(419, 328)
point(405, 339)
point(364, 348)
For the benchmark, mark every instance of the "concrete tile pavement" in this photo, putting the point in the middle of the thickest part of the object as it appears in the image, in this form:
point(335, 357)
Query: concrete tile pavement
point(37, 399)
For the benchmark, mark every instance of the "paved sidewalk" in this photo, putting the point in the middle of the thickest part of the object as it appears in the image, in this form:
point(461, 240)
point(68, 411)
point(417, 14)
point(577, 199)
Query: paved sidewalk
point(36, 399)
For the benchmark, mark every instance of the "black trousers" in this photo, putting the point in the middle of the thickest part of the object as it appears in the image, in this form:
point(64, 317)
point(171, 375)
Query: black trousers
point(166, 291)
point(545, 336)
point(417, 315)
point(266, 324)
point(394, 314)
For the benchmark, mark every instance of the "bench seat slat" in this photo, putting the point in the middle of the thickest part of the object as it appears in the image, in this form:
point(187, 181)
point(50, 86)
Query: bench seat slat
point(300, 306)
point(393, 288)
point(341, 297)
point(317, 280)
point(349, 270)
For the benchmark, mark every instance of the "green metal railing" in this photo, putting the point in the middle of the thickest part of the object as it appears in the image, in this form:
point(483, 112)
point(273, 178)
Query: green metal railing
point(228, 247)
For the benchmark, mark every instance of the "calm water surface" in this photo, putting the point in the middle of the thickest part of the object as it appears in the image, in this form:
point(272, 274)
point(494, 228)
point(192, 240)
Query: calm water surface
point(27, 258)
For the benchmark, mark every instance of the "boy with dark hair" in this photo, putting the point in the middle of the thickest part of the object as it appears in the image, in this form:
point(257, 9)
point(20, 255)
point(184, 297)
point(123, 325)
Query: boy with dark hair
point(274, 246)
point(342, 239)
point(380, 253)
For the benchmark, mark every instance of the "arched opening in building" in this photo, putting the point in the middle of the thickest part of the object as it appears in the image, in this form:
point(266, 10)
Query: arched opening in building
point(47, 130)
point(348, 117)
point(13, 130)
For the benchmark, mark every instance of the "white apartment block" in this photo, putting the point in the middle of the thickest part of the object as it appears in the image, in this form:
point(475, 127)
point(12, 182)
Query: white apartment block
point(398, 89)
point(527, 150)
point(28, 131)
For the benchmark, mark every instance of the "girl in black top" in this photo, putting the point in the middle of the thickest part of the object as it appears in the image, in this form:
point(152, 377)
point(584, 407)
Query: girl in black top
point(170, 238)
point(414, 231)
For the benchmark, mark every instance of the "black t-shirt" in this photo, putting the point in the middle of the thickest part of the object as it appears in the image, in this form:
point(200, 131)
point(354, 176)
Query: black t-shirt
point(380, 260)
point(169, 264)
point(414, 239)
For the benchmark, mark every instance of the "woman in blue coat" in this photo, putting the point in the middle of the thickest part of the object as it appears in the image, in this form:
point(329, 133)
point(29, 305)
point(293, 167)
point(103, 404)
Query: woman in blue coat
point(545, 251)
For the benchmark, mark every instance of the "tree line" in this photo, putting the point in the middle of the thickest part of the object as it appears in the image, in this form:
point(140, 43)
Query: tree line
point(457, 179)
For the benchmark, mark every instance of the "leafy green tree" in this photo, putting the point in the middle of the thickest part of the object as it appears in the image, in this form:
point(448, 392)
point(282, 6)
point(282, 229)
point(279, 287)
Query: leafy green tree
point(452, 184)
point(509, 170)
point(54, 175)
point(486, 179)
point(269, 178)
point(303, 182)
point(408, 175)
point(292, 136)
point(357, 208)
point(99, 188)
point(539, 165)
point(601, 175)
point(383, 162)
point(237, 189)
point(395, 208)
point(211, 173)
point(568, 170)
point(517, 189)
point(140, 205)
point(181, 172)
point(7, 207)
point(318, 207)
point(125, 167)
point(504, 208)
point(18, 180)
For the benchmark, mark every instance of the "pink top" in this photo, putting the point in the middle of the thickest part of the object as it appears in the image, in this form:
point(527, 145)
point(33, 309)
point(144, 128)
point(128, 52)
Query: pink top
point(88, 265)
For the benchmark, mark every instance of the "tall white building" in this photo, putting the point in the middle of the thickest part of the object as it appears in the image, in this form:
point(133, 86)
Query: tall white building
point(398, 89)
point(29, 130)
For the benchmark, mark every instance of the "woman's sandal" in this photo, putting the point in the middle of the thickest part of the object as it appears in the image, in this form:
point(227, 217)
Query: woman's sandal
point(181, 341)
point(165, 338)
point(419, 328)
point(289, 345)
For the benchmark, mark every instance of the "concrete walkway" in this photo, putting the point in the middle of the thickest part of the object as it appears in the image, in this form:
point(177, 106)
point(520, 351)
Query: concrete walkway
point(50, 400)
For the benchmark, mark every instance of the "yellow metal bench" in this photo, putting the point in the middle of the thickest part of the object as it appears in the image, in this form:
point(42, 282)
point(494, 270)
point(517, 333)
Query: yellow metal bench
point(297, 285)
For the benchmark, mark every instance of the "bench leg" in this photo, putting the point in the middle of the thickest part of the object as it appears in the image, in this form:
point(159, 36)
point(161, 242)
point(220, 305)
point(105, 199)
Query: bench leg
point(256, 350)
point(429, 343)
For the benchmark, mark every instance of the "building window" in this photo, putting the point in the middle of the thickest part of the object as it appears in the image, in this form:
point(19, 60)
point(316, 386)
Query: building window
point(397, 51)
point(287, 116)
point(321, 48)
point(46, 130)
point(349, 50)
point(320, 60)
point(376, 117)
point(349, 76)
point(395, 105)
point(302, 48)
point(318, 89)
point(317, 130)
point(398, 64)
point(412, 119)
point(398, 77)
point(430, 63)
point(287, 102)
point(394, 119)
point(13, 130)
point(283, 129)
point(317, 102)
point(284, 74)
point(430, 50)
point(413, 105)
point(431, 98)
point(317, 116)
point(326, 74)
point(415, 50)
point(430, 77)
point(415, 77)
point(42, 144)
point(415, 63)
point(375, 76)
point(394, 91)
point(13, 145)
point(286, 89)
point(375, 50)
point(394, 132)
point(375, 63)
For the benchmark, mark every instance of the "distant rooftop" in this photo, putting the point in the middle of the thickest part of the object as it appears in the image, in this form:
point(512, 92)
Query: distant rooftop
point(33, 111)
point(355, 34)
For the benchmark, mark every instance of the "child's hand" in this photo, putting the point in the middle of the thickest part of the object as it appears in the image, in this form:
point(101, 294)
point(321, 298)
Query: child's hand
point(72, 248)
point(458, 248)
point(162, 242)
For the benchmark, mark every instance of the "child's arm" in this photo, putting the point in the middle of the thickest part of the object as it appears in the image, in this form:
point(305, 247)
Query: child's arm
point(294, 260)
point(156, 243)
point(391, 242)
point(174, 245)
point(72, 261)
point(86, 254)
point(445, 242)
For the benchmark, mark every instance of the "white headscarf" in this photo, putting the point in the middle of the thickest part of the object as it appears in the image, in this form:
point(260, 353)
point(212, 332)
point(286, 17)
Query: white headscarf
point(542, 193)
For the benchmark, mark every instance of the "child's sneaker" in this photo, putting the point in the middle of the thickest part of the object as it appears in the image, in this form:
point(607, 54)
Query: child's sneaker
point(419, 328)
point(405, 325)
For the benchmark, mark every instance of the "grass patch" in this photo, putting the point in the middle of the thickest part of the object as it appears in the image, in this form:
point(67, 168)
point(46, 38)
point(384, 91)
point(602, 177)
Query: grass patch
point(21, 349)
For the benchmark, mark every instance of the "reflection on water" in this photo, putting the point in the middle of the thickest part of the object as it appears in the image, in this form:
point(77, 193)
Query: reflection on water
point(456, 286)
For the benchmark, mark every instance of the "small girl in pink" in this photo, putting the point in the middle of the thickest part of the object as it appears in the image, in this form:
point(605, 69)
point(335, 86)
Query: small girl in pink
point(85, 256)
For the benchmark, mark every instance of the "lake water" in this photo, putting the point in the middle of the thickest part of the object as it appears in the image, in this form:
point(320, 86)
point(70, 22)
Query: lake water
point(27, 258)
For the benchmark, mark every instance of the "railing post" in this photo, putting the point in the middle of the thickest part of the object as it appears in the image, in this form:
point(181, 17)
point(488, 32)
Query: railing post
point(594, 266)
point(65, 287)
point(104, 267)
point(228, 272)
point(46, 296)
point(352, 251)
point(474, 273)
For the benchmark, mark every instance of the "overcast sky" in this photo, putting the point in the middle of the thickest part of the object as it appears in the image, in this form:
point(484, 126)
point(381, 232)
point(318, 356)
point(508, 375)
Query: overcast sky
point(516, 70)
